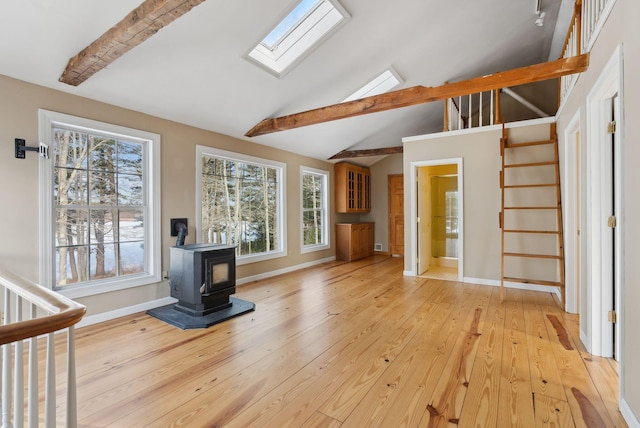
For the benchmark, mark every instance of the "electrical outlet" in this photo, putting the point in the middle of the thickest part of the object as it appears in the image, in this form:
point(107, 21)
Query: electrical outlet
point(165, 274)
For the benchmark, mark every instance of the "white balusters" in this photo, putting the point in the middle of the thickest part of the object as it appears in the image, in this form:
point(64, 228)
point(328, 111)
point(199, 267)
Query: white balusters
point(32, 400)
point(18, 373)
point(50, 383)
point(455, 119)
point(45, 313)
point(6, 367)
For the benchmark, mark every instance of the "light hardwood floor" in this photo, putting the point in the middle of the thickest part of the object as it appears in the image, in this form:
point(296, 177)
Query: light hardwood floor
point(351, 345)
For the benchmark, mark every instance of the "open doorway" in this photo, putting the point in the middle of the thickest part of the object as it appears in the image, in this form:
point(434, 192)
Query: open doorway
point(439, 219)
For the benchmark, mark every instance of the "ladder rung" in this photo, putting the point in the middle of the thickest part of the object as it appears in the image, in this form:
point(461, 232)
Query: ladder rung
point(530, 143)
point(520, 186)
point(533, 281)
point(531, 208)
point(521, 165)
point(531, 256)
point(548, 232)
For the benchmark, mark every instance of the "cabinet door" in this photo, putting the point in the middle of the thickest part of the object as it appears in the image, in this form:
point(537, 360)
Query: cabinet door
point(351, 190)
point(357, 241)
point(366, 194)
point(367, 239)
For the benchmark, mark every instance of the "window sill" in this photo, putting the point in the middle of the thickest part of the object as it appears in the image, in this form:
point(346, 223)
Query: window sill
point(313, 248)
point(248, 259)
point(107, 286)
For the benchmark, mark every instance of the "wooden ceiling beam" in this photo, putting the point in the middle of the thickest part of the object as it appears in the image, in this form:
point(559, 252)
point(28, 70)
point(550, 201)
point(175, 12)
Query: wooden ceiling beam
point(345, 154)
point(140, 24)
point(421, 94)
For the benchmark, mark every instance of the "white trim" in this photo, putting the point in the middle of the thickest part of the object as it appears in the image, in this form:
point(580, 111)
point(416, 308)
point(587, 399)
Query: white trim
point(496, 283)
point(121, 312)
point(314, 29)
point(516, 285)
point(413, 211)
point(571, 209)
point(128, 310)
point(628, 415)
point(282, 203)
point(599, 302)
point(326, 238)
point(151, 173)
point(488, 128)
point(277, 272)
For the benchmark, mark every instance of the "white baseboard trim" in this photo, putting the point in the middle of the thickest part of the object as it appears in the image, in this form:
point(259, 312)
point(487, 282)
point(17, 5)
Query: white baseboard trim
point(272, 273)
point(628, 415)
point(585, 341)
point(117, 313)
point(518, 285)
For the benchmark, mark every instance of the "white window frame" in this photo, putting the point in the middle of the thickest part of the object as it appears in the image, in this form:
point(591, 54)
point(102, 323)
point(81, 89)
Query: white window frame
point(316, 27)
point(326, 244)
point(281, 199)
point(151, 176)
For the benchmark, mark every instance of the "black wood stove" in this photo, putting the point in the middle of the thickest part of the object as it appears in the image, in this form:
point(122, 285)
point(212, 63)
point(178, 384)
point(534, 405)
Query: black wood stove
point(202, 278)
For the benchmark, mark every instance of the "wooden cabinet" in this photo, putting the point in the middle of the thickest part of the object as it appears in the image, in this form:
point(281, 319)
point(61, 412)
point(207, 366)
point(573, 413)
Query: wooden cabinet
point(354, 241)
point(352, 188)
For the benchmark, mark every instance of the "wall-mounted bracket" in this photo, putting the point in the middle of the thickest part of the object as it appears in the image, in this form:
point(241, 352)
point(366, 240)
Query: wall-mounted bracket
point(22, 149)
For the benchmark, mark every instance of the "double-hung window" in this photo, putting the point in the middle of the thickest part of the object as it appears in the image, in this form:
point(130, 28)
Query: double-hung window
point(100, 203)
point(241, 203)
point(315, 209)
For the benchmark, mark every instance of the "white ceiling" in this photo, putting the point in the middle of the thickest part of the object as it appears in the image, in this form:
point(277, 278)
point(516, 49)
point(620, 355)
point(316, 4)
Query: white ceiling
point(194, 72)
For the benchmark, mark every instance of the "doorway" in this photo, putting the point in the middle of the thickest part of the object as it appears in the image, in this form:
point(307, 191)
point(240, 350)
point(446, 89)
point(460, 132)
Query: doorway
point(604, 279)
point(396, 214)
point(438, 219)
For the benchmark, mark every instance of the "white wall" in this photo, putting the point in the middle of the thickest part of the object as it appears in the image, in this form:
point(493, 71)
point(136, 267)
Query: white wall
point(621, 29)
point(480, 151)
point(19, 220)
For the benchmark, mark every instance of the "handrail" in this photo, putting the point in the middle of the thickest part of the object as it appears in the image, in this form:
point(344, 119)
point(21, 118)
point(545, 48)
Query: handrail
point(64, 312)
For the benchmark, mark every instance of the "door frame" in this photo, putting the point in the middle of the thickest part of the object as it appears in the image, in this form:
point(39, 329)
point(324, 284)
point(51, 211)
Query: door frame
point(413, 223)
point(598, 332)
point(572, 216)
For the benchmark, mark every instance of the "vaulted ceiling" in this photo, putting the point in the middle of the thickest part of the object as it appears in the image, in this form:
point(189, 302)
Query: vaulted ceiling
point(194, 70)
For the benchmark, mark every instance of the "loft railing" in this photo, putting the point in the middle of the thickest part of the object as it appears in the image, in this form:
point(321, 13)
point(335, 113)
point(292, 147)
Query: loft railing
point(29, 311)
point(588, 18)
point(471, 111)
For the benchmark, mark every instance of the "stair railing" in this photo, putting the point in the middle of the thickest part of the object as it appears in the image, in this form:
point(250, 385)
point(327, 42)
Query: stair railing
point(47, 312)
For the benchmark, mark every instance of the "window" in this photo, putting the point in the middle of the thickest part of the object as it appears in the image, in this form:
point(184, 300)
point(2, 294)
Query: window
point(302, 29)
point(101, 205)
point(315, 209)
point(241, 202)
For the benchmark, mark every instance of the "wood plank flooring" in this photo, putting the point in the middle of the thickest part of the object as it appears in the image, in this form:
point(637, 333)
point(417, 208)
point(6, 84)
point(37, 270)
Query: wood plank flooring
point(351, 345)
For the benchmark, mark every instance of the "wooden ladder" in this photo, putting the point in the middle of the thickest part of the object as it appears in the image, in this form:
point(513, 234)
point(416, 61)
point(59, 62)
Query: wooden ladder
point(525, 224)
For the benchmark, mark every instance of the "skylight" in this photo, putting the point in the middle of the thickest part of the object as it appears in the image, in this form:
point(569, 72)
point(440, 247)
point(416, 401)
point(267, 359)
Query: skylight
point(297, 15)
point(385, 82)
point(301, 30)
